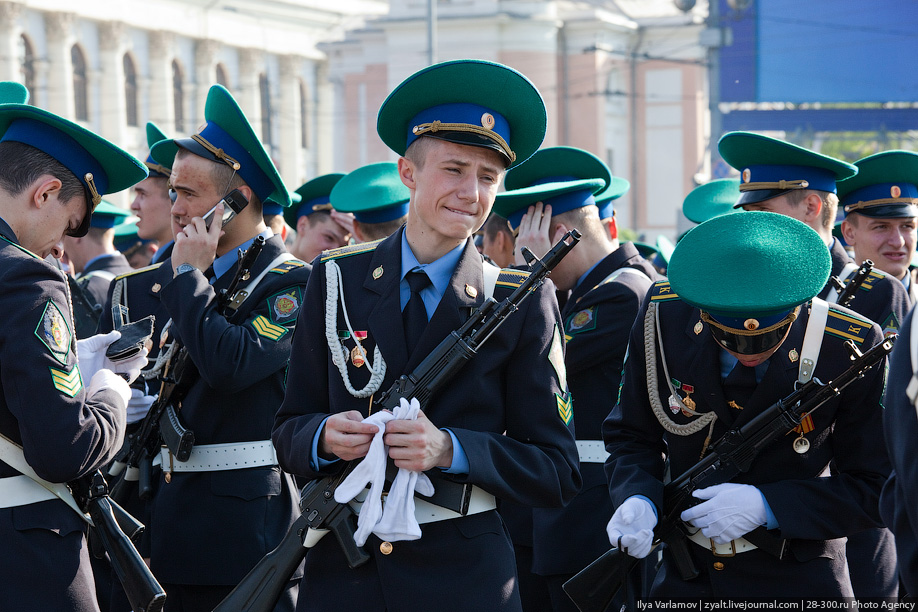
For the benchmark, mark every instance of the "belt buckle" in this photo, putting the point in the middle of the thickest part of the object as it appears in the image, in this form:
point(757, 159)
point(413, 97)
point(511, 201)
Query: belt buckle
point(714, 552)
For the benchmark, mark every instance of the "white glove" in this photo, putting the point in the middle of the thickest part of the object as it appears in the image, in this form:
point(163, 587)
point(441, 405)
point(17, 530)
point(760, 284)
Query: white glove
point(371, 470)
point(398, 521)
point(106, 379)
point(139, 405)
point(91, 357)
point(730, 512)
point(633, 522)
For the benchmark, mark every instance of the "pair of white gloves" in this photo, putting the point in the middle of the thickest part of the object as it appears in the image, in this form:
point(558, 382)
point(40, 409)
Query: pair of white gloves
point(729, 512)
point(395, 521)
point(103, 373)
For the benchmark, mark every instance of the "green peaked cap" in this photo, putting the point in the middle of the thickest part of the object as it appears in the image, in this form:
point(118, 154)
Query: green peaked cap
point(374, 193)
point(885, 186)
point(154, 135)
point(229, 139)
point(100, 166)
point(749, 264)
point(557, 164)
point(770, 167)
point(107, 215)
point(12, 92)
point(512, 205)
point(488, 104)
point(711, 200)
point(313, 193)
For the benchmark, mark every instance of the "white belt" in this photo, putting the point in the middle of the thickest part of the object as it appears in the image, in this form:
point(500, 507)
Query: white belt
point(219, 457)
point(426, 512)
point(592, 451)
point(734, 547)
point(21, 491)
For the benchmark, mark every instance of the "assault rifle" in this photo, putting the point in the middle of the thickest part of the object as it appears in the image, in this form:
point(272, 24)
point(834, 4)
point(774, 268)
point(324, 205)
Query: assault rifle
point(847, 290)
point(162, 422)
point(115, 529)
point(260, 589)
point(594, 587)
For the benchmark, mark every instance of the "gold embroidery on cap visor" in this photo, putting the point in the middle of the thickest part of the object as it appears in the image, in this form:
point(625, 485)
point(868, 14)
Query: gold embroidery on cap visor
point(881, 202)
point(216, 152)
point(746, 342)
point(158, 168)
point(439, 126)
point(782, 185)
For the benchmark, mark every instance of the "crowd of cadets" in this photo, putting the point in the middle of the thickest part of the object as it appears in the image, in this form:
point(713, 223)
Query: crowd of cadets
point(614, 377)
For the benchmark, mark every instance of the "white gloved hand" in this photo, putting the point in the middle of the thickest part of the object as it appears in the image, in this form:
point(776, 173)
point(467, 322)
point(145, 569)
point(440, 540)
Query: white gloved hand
point(139, 405)
point(371, 470)
point(633, 522)
point(398, 521)
point(730, 512)
point(91, 357)
point(106, 379)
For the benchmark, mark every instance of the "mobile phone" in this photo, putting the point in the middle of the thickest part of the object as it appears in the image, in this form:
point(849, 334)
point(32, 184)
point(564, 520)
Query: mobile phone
point(233, 203)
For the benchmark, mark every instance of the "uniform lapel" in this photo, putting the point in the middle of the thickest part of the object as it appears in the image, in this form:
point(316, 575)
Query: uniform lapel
point(464, 294)
point(384, 322)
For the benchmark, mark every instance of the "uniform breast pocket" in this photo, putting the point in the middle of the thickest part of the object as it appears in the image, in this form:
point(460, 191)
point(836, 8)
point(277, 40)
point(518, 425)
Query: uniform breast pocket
point(53, 516)
point(247, 484)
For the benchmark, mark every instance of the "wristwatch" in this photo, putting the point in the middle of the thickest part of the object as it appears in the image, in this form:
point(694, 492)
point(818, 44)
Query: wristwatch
point(185, 267)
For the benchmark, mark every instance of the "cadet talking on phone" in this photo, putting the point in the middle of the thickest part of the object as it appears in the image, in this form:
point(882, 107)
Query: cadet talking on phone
point(211, 522)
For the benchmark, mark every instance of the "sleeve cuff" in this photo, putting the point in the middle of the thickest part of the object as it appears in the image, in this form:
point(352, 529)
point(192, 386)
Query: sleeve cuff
point(460, 464)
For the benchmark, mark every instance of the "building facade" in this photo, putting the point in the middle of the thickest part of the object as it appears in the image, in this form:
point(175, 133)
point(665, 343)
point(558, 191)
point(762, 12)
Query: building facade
point(625, 80)
point(113, 65)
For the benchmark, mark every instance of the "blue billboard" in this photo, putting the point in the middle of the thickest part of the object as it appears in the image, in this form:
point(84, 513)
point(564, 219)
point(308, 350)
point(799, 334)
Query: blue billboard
point(827, 51)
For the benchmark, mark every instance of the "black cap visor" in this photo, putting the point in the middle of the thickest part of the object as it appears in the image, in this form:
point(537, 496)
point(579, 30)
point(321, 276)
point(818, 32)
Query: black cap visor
point(751, 344)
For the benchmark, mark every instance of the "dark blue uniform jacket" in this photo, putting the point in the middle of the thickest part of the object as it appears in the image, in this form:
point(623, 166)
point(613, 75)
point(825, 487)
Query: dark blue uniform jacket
point(505, 407)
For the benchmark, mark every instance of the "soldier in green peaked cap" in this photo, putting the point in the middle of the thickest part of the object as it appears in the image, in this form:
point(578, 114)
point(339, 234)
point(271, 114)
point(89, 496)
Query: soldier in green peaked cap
point(457, 126)
point(239, 343)
point(152, 203)
point(781, 177)
point(550, 194)
point(318, 225)
point(732, 332)
point(880, 205)
point(62, 402)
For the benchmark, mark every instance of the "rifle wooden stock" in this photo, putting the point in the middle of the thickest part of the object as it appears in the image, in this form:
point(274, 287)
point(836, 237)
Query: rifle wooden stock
point(593, 588)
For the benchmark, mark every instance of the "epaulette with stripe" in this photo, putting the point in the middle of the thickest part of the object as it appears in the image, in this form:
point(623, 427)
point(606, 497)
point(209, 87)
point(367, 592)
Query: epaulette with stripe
point(873, 277)
point(286, 266)
point(511, 278)
point(351, 249)
point(662, 292)
point(139, 271)
point(847, 326)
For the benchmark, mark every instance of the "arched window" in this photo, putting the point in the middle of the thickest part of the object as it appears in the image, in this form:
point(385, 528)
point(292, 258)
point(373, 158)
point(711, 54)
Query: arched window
point(304, 118)
point(178, 95)
point(80, 89)
point(130, 90)
point(265, 90)
point(222, 78)
point(27, 63)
